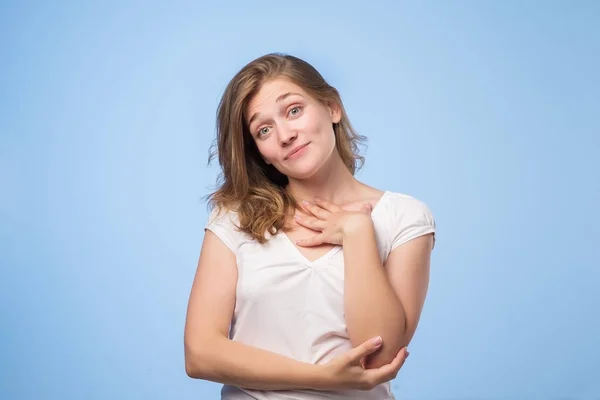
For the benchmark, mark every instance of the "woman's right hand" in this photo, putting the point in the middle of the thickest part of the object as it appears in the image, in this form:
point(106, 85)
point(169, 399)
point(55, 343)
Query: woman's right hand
point(347, 371)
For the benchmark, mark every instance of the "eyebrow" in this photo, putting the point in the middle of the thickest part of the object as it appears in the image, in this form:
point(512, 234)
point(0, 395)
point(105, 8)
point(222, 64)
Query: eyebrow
point(280, 98)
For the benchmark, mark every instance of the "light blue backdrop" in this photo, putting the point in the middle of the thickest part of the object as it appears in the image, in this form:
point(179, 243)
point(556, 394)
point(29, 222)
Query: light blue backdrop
point(487, 111)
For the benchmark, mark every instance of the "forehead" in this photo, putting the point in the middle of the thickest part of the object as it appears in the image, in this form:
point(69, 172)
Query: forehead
point(270, 91)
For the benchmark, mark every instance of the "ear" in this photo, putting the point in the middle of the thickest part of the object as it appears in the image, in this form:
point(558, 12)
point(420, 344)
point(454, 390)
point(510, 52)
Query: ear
point(335, 112)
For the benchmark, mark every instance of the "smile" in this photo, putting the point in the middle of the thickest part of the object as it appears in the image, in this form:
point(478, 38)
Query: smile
point(296, 152)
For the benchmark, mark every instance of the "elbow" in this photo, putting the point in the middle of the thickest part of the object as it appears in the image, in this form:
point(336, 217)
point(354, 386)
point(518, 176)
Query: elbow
point(381, 357)
point(195, 363)
point(201, 356)
point(192, 367)
point(386, 354)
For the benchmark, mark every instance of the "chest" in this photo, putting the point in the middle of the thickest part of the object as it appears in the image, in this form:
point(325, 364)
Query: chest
point(308, 254)
point(280, 272)
point(277, 279)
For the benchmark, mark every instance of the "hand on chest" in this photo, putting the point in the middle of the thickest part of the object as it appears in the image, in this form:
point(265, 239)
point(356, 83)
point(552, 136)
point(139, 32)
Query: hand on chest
point(314, 219)
point(309, 254)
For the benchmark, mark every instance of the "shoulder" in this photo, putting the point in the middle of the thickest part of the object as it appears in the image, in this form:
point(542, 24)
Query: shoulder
point(404, 205)
point(224, 223)
point(406, 217)
point(222, 216)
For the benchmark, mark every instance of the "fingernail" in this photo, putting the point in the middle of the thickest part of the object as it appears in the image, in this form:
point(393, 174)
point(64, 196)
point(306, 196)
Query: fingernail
point(377, 341)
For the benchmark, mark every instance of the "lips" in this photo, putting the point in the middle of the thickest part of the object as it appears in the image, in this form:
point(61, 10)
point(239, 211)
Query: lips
point(295, 150)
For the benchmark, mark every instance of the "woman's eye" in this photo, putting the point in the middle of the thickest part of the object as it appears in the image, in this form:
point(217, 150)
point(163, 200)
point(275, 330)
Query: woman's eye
point(295, 111)
point(263, 131)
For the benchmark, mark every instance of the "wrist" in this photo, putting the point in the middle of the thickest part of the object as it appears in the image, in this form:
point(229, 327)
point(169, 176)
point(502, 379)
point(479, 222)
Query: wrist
point(320, 377)
point(357, 224)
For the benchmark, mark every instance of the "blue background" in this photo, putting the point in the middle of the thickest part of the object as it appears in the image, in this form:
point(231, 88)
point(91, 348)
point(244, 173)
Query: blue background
point(487, 111)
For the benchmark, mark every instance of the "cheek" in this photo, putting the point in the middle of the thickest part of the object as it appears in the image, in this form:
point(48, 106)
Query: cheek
point(314, 124)
point(320, 125)
point(266, 151)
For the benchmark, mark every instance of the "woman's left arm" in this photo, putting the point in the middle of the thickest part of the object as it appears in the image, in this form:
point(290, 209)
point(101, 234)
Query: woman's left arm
point(384, 300)
point(379, 300)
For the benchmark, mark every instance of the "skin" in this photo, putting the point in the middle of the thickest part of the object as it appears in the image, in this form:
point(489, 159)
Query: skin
point(381, 300)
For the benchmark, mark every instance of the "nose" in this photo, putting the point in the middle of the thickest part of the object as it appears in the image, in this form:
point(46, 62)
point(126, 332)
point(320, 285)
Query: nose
point(287, 136)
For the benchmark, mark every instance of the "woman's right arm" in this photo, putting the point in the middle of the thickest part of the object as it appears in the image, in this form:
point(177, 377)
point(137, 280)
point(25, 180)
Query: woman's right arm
point(211, 355)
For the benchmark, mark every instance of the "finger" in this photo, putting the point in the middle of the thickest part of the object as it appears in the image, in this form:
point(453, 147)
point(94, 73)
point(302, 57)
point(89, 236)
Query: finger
point(400, 359)
point(327, 205)
point(310, 223)
point(315, 210)
point(366, 348)
point(363, 362)
point(389, 371)
point(313, 241)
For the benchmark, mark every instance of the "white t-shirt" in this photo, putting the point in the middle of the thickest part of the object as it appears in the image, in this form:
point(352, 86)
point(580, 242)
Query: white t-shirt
point(291, 306)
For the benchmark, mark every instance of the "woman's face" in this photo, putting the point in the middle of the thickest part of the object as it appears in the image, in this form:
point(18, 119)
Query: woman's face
point(292, 130)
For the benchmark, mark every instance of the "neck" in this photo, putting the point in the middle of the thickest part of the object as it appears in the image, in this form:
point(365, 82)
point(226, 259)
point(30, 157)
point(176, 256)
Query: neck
point(333, 183)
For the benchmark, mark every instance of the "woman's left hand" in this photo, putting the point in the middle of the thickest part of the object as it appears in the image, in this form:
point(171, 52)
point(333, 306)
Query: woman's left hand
point(331, 222)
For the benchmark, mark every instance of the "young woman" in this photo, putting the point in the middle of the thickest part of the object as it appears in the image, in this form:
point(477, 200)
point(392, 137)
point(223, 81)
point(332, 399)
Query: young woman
point(310, 284)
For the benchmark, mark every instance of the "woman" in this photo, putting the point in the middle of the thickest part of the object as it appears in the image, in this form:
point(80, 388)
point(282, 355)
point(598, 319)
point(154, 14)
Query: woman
point(310, 284)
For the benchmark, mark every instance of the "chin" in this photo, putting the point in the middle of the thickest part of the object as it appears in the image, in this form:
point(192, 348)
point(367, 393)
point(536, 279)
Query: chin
point(302, 170)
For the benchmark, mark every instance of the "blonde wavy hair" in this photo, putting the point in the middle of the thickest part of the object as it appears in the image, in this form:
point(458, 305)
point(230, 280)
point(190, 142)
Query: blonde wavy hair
point(255, 190)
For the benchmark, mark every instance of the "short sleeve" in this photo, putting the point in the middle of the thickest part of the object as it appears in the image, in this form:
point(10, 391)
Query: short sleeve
point(222, 224)
point(411, 218)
